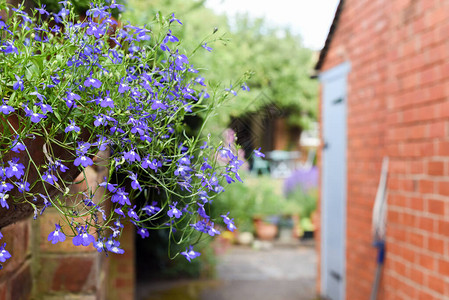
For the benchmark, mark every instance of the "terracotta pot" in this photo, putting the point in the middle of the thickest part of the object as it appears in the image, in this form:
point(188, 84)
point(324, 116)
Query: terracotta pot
point(265, 231)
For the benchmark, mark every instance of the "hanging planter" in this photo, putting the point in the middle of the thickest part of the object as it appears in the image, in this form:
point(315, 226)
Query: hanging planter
point(69, 94)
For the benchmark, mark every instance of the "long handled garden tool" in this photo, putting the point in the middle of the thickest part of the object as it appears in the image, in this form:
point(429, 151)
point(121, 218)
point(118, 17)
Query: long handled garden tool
point(379, 224)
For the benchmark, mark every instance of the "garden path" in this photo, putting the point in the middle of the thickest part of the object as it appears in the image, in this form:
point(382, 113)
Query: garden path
point(280, 272)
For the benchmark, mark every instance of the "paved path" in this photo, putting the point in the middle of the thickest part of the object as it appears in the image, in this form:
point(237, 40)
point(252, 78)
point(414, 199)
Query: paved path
point(277, 273)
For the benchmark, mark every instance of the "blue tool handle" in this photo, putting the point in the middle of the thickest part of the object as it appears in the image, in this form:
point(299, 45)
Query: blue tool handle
point(380, 245)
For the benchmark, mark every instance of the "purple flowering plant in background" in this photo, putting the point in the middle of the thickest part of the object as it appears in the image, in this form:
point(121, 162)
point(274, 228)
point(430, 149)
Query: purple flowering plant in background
point(88, 85)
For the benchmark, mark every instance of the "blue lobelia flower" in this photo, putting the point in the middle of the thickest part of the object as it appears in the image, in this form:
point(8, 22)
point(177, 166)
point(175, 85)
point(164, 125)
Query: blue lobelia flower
point(6, 109)
point(143, 232)
point(19, 83)
point(83, 160)
point(206, 47)
point(190, 253)
point(258, 153)
point(92, 82)
point(83, 238)
point(173, 211)
point(229, 222)
point(23, 186)
point(15, 169)
point(72, 127)
point(4, 255)
point(3, 198)
point(57, 235)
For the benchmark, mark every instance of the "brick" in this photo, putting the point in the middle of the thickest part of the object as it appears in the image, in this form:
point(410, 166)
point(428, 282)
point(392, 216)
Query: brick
point(443, 188)
point(436, 206)
point(437, 284)
point(426, 186)
point(427, 261)
point(21, 283)
point(436, 245)
point(443, 267)
point(73, 275)
point(435, 168)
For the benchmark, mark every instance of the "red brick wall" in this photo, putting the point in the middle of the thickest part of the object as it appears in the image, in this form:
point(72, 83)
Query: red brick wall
point(39, 269)
point(398, 106)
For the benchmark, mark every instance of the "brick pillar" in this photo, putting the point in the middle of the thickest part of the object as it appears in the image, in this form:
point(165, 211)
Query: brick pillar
point(121, 271)
point(16, 276)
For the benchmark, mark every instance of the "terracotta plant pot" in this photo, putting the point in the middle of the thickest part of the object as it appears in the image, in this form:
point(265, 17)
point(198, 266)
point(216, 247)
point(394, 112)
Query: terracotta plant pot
point(265, 231)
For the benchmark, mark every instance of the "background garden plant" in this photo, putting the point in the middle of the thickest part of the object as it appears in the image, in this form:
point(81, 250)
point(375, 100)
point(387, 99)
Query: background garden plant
point(72, 88)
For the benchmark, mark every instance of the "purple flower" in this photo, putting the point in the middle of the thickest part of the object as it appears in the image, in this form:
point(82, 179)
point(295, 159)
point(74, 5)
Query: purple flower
point(6, 109)
point(35, 117)
point(123, 87)
point(92, 82)
point(10, 48)
point(23, 186)
point(206, 47)
point(45, 108)
point(181, 59)
point(72, 127)
point(152, 164)
point(143, 232)
point(119, 211)
point(5, 186)
point(107, 102)
point(121, 197)
point(19, 83)
point(109, 186)
point(83, 160)
point(14, 169)
point(61, 166)
point(72, 96)
point(131, 155)
point(157, 104)
point(170, 38)
point(190, 254)
point(174, 211)
point(134, 182)
point(4, 255)
point(212, 231)
point(57, 235)
point(173, 19)
point(42, 10)
point(50, 178)
point(17, 146)
point(132, 214)
point(229, 222)
point(151, 209)
point(113, 246)
point(100, 120)
point(99, 245)
point(37, 94)
point(3, 202)
point(258, 153)
point(83, 238)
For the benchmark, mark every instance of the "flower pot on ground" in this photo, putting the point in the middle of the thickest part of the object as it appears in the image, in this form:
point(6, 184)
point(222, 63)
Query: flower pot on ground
point(266, 229)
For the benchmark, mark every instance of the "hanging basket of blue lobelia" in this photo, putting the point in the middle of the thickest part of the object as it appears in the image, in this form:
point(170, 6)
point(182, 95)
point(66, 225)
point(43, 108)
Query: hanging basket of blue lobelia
point(86, 93)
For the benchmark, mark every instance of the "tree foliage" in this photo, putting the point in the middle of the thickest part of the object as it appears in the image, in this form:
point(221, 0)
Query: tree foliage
point(279, 64)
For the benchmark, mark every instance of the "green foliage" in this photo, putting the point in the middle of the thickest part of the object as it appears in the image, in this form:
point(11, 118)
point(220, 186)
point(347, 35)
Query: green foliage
point(256, 197)
point(305, 201)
